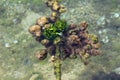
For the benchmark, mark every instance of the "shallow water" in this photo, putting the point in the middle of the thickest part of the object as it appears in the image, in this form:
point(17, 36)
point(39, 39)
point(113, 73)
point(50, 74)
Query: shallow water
point(17, 46)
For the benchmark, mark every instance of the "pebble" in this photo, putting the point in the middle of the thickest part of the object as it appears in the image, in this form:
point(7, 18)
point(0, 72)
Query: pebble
point(15, 41)
point(101, 20)
point(100, 32)
point(103, 35)
point(104, 31)
point(7, 45)
point(116, 15)
point(105, 39)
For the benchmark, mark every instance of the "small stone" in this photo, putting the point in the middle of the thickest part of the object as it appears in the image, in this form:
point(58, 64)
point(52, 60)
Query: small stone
point(116, 15)
point(101, 21)
point(100, 32)
point(104, 30)
point(105, 39)
point(15, 41)
point(7, 45)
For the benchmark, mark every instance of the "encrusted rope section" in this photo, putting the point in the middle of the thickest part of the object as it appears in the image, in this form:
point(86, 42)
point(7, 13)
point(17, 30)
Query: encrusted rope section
point(57, 69)
point(62, 40)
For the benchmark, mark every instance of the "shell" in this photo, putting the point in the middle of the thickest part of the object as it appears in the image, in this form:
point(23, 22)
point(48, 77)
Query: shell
point(55, 6)
point(42, 21)
point(86, 56)
point(52, 19)
point(83, 25)
point(96, 46)
point(73, 37)
point(45, 42)
point(46, 26)
point(49, 3)
point(34, 28)
point(41, 55)
point(54, 14)
point(52, 59)
point(62, 9)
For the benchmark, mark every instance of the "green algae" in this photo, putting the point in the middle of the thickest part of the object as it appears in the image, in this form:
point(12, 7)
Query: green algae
point(55, 30)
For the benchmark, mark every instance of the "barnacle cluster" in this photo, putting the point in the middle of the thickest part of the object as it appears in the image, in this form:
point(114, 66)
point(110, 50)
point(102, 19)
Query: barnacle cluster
point(48, 30)
point(79, 42)
point(57, 35)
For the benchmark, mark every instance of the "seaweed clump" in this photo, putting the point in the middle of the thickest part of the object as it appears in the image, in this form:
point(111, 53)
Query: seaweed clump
point(63, 40)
